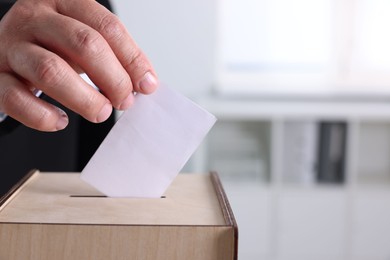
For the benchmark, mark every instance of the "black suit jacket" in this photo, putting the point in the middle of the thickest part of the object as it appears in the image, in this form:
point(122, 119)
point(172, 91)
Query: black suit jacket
point(23, 149)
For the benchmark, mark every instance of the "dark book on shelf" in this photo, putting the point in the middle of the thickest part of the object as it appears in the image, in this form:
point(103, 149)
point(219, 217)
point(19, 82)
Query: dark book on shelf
point(331, 152)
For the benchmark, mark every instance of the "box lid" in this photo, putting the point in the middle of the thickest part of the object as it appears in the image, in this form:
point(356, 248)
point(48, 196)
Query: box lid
point(64, 198)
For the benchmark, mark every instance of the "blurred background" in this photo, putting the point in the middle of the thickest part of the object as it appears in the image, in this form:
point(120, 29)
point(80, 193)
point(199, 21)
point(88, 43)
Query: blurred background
point(301, 90)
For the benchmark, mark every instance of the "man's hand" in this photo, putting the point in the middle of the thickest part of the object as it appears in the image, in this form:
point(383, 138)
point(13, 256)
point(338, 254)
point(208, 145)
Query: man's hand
point(45, 44)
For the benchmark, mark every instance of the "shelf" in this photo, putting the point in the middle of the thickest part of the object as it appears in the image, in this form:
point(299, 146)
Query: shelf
point(373, 164)
point(254, 109)
point(240, 152)
point(268, 154)
point(283, 126)
point(299, 152)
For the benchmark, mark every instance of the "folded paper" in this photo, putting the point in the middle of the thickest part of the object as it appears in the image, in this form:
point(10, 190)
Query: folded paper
point(148, 146)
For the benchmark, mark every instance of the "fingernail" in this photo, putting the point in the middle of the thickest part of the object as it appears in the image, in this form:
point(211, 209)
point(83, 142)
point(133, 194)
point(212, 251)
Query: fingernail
point(63, 121)
point(105, 113)
point(148, 83)
point(127, 102)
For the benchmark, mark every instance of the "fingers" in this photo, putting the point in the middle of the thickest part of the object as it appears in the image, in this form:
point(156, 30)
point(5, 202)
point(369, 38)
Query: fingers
point(87, 48)
point(51, 74)
point(43, 42)
point(134, 61)
point(21, 104)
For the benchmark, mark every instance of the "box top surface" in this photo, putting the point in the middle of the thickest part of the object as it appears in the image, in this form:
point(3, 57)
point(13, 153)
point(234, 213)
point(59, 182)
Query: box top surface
point(64, 198)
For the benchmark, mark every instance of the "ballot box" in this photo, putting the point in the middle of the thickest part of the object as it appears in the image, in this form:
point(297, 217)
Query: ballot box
point(55, 216)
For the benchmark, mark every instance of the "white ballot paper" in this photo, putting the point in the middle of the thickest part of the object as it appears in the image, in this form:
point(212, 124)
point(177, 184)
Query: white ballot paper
point(148, 145)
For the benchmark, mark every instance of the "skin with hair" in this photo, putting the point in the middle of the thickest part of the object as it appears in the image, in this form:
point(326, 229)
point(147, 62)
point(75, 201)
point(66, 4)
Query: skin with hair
point(46, 44)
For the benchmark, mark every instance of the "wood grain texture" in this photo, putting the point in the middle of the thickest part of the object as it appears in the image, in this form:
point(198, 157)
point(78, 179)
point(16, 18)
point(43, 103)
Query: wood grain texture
point(190, 200)
point(227, 211)
point(64, 242)
point(7, 197)
point(41, 220)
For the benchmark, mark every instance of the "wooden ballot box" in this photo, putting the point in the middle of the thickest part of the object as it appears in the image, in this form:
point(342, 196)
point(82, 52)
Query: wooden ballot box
point(58, 216)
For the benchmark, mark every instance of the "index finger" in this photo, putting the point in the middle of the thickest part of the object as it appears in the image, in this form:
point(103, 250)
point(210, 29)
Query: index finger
point(131, 57)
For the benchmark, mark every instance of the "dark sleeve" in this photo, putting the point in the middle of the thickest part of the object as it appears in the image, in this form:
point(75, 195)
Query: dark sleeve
point(4, 7)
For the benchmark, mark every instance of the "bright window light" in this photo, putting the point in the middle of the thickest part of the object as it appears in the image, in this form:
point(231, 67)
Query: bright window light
point(304, 47)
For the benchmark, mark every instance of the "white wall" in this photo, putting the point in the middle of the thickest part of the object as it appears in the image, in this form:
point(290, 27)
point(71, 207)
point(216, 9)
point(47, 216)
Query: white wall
point(177, 36)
